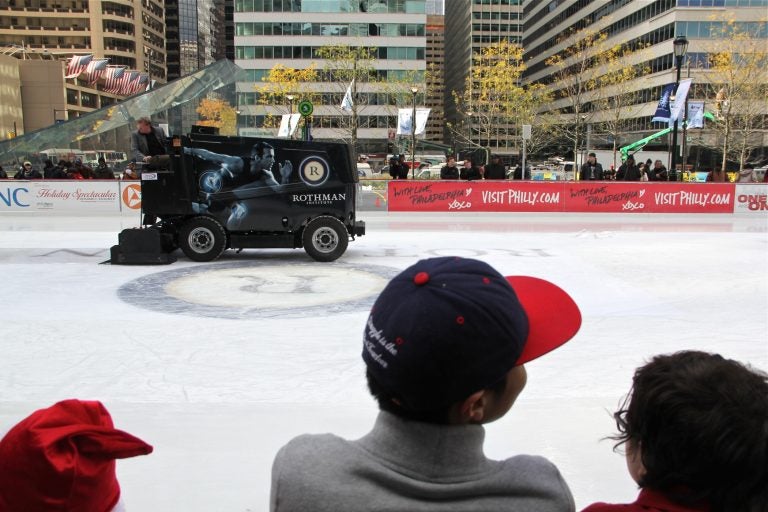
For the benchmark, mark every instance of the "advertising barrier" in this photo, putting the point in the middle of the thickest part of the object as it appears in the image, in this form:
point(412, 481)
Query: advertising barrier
point(76, 196)
point(84, 196)
point(598, 197)
point(751, 198)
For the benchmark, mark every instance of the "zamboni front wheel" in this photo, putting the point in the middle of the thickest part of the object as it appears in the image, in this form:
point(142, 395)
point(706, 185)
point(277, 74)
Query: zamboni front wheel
point(202, 239)
point(325, 238)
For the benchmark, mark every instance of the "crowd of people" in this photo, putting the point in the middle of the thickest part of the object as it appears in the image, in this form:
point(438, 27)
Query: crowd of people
point(72, 170)
point(445, 349)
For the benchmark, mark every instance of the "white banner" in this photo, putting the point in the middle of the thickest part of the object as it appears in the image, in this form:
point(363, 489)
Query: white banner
point(422, 114)
point(404, 116)
point(695, 114)
point(288, 125)
point(75, 196)
point(680, 97)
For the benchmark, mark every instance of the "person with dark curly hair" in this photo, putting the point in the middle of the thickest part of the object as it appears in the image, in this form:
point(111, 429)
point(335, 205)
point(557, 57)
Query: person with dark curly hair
point(695, 432)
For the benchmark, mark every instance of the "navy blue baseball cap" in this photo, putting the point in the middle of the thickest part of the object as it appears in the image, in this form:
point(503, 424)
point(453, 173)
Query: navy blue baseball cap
point(447, 327)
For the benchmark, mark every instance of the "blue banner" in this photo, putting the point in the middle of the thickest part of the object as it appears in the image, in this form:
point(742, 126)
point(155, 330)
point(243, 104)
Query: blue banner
point(663, 111)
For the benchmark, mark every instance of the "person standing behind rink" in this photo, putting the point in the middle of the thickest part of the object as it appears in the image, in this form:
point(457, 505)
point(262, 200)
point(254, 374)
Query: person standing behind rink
point(449, 170)
point(591, 170)
point(147, 145)
point(444, 348)
point(695, 434)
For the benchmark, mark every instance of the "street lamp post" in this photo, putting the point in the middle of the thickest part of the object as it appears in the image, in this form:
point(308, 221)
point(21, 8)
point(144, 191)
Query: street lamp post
point(290, 98)
point(414, 90)
point(680, 49)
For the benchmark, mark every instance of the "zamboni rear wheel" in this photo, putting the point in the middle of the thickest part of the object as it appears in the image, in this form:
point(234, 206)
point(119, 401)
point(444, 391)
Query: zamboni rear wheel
point(325, 238)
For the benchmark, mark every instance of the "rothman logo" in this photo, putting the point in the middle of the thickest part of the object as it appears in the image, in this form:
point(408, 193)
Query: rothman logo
point(314, 171)
point(318, 198)
point(245, 290)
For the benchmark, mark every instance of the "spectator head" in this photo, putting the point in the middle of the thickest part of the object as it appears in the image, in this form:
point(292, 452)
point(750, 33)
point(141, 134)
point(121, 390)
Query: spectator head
point(630, 159)
point(656, 164)
point(401, 158)
point(27, 164)
point(447, 338)
point(144, 125)
point(694, 427)
point(48, 163)
point(592, 157)
point(496, 159)
point(63, 458)
point(451, 161)
point(101, 160)
point(78, 161)
point(467, 163)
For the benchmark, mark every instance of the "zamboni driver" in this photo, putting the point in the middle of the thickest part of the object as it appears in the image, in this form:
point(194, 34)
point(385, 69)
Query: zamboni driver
point(232, 168)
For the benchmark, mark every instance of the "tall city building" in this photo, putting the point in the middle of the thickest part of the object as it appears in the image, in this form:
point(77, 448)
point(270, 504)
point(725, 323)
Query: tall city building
point(129, 34)
point(471, 25)
point(196, 35)
point(199, 32)
point(290, 32)
point(435, 78)
point(650, 25)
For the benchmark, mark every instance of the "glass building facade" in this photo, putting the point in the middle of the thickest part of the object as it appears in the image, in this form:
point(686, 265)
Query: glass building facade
point(292, 32)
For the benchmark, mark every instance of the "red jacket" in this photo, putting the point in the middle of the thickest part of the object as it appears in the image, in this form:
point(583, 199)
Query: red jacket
point(647, 501)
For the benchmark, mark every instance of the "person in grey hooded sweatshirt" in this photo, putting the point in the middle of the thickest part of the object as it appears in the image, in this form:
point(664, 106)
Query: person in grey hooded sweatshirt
point(444, 347)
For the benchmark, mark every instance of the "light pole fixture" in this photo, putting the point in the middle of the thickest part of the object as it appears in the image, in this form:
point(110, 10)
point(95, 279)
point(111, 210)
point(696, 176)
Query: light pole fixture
point(414, 90)
point(290, 98)
point(680, 46)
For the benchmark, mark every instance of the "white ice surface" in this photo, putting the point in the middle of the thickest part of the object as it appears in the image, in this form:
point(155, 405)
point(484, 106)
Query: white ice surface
point(217, 397)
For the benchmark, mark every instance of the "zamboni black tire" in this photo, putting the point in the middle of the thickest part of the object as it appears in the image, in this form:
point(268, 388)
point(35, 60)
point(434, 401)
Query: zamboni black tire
point(325, 238)
point(202, 238)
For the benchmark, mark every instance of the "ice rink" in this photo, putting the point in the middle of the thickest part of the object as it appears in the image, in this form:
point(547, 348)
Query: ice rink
point(218, 365)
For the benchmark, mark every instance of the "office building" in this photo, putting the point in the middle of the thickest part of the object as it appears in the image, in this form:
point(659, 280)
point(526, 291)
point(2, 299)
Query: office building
point(290, 32)
point(129, 34)
point(652, 25)
point(471, 25)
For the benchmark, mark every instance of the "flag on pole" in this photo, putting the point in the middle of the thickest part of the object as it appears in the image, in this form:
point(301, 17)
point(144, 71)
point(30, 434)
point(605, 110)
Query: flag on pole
point(95, 70)
point(127, 82)
point(288, 125)
point(77, 64)
point(138, 83)
point(680, 96)
point(346, 103)
point(112, 79)
point(695, 114)
point(662, 109)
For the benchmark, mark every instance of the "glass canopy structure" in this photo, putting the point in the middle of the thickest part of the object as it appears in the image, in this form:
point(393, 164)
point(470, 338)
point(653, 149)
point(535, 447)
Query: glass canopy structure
point(108, 129)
